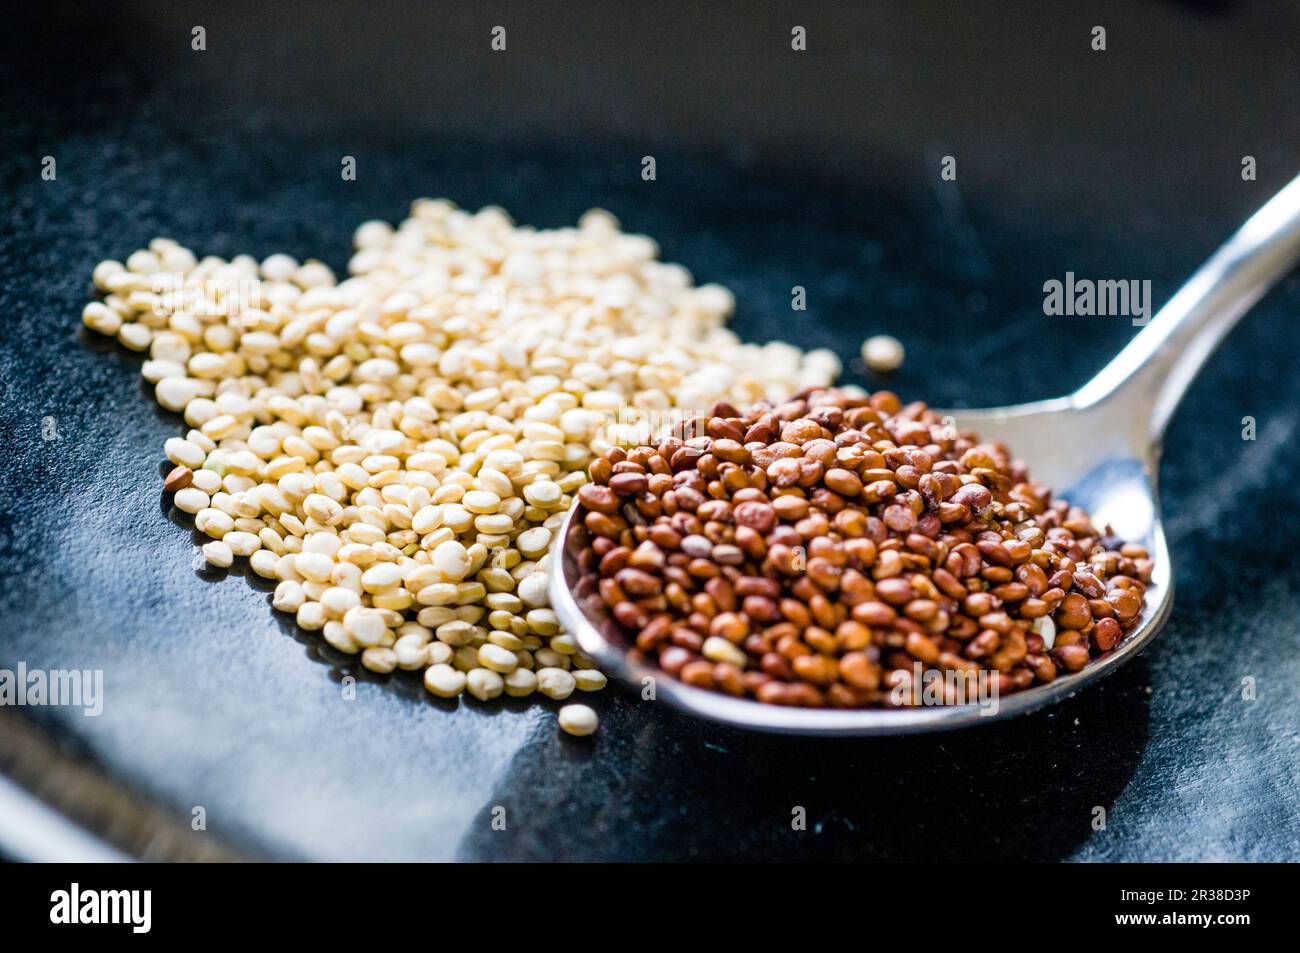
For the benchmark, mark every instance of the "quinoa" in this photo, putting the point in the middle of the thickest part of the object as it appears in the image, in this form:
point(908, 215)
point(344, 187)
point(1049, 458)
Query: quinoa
point(397, 449)
point(826, 550)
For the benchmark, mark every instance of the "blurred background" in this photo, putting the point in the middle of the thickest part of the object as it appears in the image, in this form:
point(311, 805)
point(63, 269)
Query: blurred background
point(775, 168)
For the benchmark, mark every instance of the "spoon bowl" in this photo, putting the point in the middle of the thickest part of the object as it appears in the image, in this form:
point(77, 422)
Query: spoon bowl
point(1098, 448)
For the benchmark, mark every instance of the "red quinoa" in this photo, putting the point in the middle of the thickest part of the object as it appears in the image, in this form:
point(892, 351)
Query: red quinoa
point(812, 553)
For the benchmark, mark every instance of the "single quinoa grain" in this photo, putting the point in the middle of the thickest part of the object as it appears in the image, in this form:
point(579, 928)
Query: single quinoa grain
point(882, 353)
point(579, 720)
point(178, 479)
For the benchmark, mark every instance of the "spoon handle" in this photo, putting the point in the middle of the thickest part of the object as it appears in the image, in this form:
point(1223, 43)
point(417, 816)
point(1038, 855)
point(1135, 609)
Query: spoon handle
point(1155, 369)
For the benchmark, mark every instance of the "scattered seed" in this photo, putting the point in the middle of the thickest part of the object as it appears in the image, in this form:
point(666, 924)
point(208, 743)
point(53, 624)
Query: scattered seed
point(579, 720)
point(178, 479)
point(882, 353)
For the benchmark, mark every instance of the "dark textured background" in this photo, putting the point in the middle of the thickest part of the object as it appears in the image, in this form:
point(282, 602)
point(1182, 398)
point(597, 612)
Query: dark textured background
point(774, 169)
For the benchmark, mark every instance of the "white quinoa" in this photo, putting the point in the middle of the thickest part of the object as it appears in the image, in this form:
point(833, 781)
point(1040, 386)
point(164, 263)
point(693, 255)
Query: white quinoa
point(399, 448)
point(883, 353)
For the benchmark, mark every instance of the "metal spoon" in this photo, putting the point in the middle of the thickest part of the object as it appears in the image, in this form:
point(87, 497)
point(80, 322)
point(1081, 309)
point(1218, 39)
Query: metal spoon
point(1099, 448)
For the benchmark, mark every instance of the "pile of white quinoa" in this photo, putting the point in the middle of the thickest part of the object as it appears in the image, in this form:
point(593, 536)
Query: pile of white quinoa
point(399, 448)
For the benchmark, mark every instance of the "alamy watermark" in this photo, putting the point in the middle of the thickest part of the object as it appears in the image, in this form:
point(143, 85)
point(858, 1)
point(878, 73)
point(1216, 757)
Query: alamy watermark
point(637, 427)
point(216, 297)
point(1105, 297)
point(133, 908)
point(60, 687)
point(929, 687)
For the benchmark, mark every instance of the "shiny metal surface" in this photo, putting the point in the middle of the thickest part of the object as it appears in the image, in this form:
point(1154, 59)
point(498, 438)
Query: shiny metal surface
point(1098, 447)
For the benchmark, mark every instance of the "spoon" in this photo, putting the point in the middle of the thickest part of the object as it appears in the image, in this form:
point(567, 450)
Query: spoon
point(1099, 448)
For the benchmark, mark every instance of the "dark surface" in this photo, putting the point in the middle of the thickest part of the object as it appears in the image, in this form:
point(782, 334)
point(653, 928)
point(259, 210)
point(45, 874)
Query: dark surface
point(775, 169)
